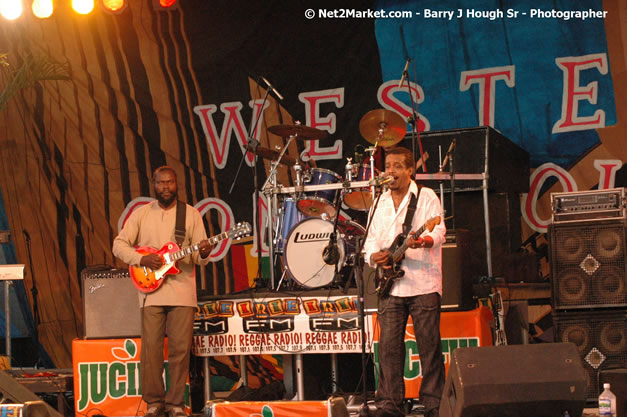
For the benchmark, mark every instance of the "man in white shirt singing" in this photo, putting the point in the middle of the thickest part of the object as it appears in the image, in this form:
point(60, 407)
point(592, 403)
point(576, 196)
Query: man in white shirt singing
point(416, 293)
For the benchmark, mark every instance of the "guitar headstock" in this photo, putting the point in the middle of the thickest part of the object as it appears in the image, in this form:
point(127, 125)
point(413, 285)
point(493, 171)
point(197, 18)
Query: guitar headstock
point(432, 222)
point(240, 230)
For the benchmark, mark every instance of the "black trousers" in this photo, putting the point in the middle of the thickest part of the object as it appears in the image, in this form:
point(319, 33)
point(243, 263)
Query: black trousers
point(392, 316)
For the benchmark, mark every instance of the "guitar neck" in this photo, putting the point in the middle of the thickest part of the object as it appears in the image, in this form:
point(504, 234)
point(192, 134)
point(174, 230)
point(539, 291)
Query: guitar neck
point(191, 249)
point(401, 249)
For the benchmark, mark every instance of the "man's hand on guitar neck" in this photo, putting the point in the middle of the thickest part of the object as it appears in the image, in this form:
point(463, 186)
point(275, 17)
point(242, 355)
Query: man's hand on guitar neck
point(204, 248)
point(420, 242)
point(152, 261)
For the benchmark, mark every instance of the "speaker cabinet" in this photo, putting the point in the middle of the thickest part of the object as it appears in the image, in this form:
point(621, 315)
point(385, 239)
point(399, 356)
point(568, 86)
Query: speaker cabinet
point(600, 338)
point(588, 268)
point(110, 304)
point(456, 282)
point(517, 380)
point(505, 229)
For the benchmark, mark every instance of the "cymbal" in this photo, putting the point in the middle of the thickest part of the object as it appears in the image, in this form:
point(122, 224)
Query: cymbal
point(271, 154)
point(298, 131)
point(385, 126)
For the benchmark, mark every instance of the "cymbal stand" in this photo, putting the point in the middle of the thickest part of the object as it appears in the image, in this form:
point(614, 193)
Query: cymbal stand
point(372, 150)
point(269, 188)
point(348, 169)
point(272, 174)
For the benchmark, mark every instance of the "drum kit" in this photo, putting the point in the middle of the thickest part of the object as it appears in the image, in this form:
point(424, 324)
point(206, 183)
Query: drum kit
point(303, 216)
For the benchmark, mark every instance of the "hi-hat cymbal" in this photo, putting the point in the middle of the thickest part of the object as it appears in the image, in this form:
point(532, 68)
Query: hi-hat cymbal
point(298, 131)
point(385, 126)
point(271, 154)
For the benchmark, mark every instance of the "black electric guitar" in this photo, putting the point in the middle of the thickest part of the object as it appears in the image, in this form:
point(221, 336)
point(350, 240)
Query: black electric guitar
point(388, 273)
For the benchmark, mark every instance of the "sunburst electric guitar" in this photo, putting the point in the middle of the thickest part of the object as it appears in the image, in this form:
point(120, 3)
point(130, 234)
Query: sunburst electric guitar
point(387, 274)
point(146, 280)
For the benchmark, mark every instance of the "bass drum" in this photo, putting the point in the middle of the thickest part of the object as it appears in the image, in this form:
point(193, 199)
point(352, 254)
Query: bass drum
point(305, 245)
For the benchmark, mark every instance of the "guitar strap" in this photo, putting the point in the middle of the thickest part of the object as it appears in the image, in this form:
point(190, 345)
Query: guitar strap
point(179, 227)
point(411, 210)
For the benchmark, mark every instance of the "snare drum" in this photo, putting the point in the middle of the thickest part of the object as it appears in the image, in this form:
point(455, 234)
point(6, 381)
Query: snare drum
point(315, 203)
point(305, 245)
point(360, 198)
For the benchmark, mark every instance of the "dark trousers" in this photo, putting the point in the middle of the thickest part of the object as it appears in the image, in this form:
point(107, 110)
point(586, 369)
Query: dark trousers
point(177, 323)
point(392, 316)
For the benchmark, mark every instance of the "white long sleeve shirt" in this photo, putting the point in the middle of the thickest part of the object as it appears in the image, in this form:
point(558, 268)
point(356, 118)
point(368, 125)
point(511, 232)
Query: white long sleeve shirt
point(422, 266)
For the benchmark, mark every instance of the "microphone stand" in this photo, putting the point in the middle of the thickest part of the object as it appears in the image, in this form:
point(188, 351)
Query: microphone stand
point(34, 293)
point(331, 253)
point(452, 172)
point(415, 135)
point(449, 159)
point(251, 146)
point(364, 411)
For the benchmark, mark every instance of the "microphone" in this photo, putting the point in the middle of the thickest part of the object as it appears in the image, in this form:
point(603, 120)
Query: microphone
point(271, 87)
point(448, 153)
point(400, 84)
point(26, 234)
point(331, 254)
point(378, 181)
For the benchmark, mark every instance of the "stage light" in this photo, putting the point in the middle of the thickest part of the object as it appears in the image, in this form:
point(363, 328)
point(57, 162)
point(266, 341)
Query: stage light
point(166, 3)
point(83, 6)
point(114, 6)
point(42, 8)
point(11, 9)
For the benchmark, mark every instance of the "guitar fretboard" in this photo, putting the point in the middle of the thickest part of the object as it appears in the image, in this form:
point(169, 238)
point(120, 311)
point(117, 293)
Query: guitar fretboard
point(184, 252)
point(215, 239)
point(191, 249)
point(401, 250)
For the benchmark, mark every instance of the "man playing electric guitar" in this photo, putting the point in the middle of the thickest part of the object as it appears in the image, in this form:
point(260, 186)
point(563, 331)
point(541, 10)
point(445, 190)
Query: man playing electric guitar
point(416, 293)
point(170, 309)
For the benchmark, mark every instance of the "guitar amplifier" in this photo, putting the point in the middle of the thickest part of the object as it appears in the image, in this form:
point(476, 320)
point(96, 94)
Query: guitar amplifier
point(588, 205)
point(110, 304)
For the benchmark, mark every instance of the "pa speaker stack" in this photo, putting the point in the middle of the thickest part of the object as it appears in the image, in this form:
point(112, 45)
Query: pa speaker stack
point(589, 278)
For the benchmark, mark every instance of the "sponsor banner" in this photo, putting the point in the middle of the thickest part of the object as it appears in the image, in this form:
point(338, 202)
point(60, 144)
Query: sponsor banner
point(107, 377)
point(457, 329)
point(11, 410)
point(272, 409)
point(279, 325)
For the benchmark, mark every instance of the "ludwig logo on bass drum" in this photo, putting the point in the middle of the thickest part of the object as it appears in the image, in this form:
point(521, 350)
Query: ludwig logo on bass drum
point(311, 237)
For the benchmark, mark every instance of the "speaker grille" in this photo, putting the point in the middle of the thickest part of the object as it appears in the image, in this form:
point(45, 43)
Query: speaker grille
point(601, 339)
point(588, 265)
